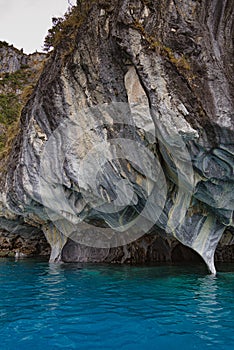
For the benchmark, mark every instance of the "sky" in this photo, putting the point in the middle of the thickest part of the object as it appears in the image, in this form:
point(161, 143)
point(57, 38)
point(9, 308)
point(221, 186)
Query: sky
point(25, 23)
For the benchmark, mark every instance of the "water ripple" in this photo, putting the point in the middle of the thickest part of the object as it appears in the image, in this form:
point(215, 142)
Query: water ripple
point(75, 306)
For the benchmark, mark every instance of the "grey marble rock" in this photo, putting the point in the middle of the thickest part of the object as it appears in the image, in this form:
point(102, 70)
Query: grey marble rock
point(131, 131)
point(12, 59)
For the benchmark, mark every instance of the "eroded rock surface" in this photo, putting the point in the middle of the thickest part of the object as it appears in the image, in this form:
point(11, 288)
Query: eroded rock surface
point(12, 59)
point(132, 131)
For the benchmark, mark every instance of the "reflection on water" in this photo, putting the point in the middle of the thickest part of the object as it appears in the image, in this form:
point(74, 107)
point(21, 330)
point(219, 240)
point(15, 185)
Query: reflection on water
point(209, 309)
point(73, 306)
point(207, 297)
point(52, 286)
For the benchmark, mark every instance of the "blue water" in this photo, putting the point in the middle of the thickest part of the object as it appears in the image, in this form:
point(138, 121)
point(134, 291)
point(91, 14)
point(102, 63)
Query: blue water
point(48, 306)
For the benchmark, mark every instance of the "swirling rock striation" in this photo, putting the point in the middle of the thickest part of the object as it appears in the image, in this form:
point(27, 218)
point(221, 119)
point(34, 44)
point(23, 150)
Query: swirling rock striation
point(130, 132)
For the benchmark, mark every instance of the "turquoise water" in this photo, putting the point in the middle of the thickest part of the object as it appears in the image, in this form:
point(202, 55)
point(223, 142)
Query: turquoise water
point(48, 306)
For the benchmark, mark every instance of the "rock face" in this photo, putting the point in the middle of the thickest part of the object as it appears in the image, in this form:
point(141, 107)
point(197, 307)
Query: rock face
point(130, 132)
point(25, 244)
point(18, 74)
point(12, 59)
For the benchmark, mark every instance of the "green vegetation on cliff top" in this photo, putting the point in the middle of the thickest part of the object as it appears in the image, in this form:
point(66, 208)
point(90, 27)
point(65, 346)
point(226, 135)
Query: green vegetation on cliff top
point(15, 88)
point(64, 29)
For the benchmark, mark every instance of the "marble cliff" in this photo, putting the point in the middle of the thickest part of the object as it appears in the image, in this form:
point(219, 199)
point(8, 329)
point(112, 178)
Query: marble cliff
point(126, 146)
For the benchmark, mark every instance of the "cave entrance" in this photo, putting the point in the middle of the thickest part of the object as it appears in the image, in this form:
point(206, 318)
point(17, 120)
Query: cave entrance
point(182, 253)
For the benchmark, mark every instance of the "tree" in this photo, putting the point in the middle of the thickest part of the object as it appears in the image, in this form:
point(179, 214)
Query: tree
point(50, 39)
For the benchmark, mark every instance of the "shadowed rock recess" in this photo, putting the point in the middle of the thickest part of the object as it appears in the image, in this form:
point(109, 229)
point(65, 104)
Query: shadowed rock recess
point(126, 145)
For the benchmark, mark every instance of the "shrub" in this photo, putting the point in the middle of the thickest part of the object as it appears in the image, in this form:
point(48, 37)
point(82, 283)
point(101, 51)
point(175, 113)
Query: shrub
point(64, 29)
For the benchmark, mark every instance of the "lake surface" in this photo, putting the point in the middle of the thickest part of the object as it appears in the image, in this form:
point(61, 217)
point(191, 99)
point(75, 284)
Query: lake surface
point(77, 306)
